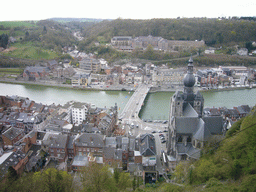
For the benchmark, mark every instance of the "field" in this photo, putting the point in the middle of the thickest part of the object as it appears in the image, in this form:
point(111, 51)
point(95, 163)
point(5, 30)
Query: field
point(29, 51)
point(13, 24)
point(10, 72)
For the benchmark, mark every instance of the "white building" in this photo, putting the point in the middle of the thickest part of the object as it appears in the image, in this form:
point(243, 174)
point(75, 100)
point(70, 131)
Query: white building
point(79, 112)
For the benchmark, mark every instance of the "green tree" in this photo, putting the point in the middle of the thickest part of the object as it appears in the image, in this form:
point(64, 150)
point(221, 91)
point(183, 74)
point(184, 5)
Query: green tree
point(124, 181)
point(149, 53)
point(97, 178)
point(53, 180)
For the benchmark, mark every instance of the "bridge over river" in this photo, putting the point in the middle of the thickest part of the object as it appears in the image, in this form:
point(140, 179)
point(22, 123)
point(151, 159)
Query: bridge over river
point(129, 116)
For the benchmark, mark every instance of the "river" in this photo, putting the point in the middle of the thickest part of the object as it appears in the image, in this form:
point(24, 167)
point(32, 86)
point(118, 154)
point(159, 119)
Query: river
point(156, 105)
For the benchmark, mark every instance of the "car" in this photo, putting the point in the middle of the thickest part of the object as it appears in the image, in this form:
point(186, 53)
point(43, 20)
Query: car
point(161, 135)
point(160, 131)
point(137, 126)
point(165, 130)
point(153, 131)
point(164, 141)
point(162, 138)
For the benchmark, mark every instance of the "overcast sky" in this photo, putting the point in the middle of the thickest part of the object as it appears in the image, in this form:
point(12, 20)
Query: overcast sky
point(131, 9)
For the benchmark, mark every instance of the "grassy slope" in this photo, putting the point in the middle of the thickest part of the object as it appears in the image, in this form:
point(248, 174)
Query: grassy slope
point(30, 51)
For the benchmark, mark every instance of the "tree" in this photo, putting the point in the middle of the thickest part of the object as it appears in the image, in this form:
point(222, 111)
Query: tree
point(124, 181)
point(53, 180)
point(149, 53)
point(4, 39)
point(97, 178)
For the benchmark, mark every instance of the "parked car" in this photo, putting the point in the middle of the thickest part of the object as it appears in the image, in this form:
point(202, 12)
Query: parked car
point(164, 141)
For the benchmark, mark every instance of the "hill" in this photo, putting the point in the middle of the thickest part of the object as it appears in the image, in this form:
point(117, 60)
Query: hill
point(60, 19)
point(212, 31)
point(48, 37)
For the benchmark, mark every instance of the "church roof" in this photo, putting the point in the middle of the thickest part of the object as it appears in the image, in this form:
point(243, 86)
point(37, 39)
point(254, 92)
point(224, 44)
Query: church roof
point(189, 150)
point(214, 124)
point(186, 125)
point(199, 127)
point(203, 132)
point(189, 111)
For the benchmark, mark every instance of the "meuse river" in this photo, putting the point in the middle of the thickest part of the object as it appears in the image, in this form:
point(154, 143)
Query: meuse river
point(156, 105)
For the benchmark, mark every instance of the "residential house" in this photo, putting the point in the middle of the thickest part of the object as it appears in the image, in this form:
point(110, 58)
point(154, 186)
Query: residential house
point(57, 147)
point(138, 78)
point(13, 100)
point(35, 73)
point(11, 136)
point(17, 160)
point(52, 64)
point(26, 105)
point(81, 80)
point(86, 143)
point(147, 153)
point(90, 65)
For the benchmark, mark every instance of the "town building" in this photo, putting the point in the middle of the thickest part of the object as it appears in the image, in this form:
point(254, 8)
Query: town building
point(81, 80)
point(127, 43)
point(90, 65)
point(166, 77)
point(79, 112)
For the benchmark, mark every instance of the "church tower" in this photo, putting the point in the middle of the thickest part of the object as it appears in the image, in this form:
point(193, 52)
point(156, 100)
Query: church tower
point(180, 101)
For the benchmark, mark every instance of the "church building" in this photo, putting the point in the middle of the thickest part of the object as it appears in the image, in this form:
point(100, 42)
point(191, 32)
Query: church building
point(188, 128)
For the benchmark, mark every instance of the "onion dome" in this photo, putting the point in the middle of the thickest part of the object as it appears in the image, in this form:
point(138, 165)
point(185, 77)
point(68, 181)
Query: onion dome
point(189, 80)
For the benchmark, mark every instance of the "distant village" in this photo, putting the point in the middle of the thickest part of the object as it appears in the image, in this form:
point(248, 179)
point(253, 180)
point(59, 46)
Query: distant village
point(96, 73)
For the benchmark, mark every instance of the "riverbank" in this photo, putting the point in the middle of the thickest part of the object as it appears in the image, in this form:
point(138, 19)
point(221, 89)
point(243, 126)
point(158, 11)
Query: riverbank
point(129, 88)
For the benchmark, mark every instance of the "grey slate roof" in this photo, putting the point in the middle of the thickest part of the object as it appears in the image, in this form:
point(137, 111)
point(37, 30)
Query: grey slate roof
point(214, 124)
point(189, 111)
point(189, 150)
point(70, 142)
point(147, 145)
point(12, 133)
point(57, 141)
point(90, 140)
point(110, 142)
point(186, 125)
point(203, 132)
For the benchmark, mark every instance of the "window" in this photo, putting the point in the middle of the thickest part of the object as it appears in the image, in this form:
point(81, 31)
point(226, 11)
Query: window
point(189, 139)
point(198, 145)
point(180, 139)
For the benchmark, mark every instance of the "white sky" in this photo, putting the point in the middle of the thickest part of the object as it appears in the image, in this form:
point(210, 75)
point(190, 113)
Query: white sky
point(125, 9)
